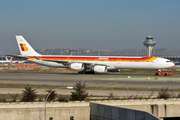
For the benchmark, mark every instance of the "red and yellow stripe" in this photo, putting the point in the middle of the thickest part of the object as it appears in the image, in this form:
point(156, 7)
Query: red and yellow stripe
point(104, 59)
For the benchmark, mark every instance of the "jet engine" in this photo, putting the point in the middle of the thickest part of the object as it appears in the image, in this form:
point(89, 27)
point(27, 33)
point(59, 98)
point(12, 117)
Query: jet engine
point(76, 66)
point(99, 69)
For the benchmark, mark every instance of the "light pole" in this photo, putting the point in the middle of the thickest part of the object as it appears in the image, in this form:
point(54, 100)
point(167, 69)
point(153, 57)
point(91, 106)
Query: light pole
point(137, 52)
point(143, 89)
point(172, 89)
point(112, 88)
point(96, 89)
point(47, 99)
point(127, 89)
point(172, 93)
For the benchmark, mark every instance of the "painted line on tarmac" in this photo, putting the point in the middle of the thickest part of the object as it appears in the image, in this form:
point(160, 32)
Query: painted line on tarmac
point(115, 85)
point(112, 82)
point(6, 82)
point(140, 79)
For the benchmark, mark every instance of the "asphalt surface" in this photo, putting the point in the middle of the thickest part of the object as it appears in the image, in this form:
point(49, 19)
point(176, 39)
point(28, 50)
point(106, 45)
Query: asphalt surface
point(96, 80)
point(105, 80)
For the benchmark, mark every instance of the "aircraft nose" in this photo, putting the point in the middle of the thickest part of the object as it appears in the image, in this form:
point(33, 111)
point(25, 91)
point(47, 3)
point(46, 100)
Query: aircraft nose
point(173, 65)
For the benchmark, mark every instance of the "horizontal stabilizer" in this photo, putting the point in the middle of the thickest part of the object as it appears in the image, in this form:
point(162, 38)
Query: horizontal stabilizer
point(17, 56)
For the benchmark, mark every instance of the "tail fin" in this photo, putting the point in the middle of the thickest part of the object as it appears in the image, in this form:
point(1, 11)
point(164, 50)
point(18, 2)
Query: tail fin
point(25, 48)
point(11, 59)
point(7, 59)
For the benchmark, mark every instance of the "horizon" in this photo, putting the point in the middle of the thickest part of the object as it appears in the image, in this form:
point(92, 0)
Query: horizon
point(90, 24)
point(103, 51)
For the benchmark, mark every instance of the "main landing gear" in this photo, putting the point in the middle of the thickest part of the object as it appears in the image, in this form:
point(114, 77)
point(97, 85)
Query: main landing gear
point(81, 72)
point(86, 72)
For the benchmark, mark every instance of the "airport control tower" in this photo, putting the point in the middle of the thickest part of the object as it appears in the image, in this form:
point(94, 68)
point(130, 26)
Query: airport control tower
point(149, 43)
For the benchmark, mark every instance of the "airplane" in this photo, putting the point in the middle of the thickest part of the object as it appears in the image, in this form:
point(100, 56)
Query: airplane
point(18, 61)
point(92, 64)
point(6, 61)
point(11, 61)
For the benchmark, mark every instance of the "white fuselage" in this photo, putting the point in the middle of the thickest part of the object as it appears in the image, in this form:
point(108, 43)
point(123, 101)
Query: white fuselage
point(159, 63)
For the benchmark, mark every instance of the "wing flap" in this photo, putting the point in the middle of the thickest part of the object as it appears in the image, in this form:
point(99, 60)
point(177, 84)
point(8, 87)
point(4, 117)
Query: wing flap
point(85, 63)
point(58, 61)
point(69, 62)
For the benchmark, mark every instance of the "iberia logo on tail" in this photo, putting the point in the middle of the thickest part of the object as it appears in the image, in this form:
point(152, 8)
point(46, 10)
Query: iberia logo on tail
point(23, 47)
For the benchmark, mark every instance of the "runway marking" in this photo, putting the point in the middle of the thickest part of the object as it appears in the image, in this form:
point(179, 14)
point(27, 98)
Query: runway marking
point(140, 79)
point(112, 82)
point(5, 81)
point(115, 85)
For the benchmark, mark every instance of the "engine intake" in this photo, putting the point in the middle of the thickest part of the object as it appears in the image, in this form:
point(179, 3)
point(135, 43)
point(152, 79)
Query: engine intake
point(76, 66)
point(100, 69)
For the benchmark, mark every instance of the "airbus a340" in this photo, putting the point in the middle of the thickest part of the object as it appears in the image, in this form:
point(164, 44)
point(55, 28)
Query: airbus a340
point(95, 64)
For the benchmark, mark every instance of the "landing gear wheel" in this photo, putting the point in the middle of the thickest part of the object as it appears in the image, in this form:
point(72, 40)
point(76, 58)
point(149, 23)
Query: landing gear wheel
point(86, 72)
point(156, 74)
point(81, 72)
point(92, 72)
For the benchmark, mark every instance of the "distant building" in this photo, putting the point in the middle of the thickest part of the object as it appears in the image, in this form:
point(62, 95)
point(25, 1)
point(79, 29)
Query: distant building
point(87, 51)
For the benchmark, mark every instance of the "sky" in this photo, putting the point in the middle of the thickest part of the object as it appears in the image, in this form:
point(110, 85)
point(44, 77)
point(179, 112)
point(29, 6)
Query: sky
point(90, 24)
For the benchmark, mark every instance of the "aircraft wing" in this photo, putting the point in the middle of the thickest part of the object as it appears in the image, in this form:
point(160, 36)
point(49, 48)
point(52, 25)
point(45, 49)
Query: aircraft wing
point(18, 56)
point(58, 61)
point(69, 62)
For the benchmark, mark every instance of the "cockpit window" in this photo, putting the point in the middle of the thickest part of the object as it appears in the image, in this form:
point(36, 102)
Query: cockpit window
point(168, 61)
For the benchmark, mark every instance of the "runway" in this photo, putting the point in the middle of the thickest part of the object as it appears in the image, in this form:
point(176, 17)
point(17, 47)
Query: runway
point(111, 80)
point(103, 80)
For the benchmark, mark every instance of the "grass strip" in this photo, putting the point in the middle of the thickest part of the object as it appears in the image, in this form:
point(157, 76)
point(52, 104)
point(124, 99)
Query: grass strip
point(44, 86)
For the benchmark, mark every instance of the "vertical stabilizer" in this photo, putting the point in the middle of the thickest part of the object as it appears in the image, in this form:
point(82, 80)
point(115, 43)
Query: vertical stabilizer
point(11, 59)
point(25, 48)
point(7, 59)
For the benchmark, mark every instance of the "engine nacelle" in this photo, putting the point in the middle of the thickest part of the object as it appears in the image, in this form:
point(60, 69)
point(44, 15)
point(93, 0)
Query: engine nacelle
point(100, 69)
point(76, 66)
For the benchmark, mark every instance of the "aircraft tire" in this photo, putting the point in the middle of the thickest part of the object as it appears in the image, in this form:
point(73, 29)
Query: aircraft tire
point(156, 74)
point(80, 72)
point(92, 72)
